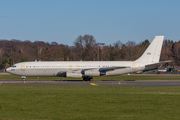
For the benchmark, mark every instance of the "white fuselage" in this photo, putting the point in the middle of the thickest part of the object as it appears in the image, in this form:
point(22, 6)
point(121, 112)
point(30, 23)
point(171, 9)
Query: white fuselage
point(55, 68)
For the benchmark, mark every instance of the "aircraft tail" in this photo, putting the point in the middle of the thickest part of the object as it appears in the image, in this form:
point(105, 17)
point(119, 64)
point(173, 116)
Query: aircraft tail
point(152, 53)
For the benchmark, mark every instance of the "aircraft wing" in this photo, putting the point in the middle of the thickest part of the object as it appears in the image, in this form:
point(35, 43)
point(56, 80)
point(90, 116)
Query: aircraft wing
point(93, 71)
point(103, 69)
point(99, 71)
point(111, 68)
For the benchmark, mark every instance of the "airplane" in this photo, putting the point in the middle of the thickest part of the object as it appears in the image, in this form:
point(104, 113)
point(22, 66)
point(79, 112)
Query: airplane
point(89, 69)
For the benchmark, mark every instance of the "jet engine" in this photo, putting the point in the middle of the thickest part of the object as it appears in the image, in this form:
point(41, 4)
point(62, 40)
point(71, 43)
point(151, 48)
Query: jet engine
point(73, 75)
point(93, 73)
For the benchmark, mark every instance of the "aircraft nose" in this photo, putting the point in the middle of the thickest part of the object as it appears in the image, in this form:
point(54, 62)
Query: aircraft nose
point(7, 70)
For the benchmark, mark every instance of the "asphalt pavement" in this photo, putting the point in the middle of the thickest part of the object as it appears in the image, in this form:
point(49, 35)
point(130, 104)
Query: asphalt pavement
point(141, 83)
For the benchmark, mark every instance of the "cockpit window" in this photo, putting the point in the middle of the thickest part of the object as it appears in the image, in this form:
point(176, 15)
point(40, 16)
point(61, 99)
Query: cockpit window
point(13, 66)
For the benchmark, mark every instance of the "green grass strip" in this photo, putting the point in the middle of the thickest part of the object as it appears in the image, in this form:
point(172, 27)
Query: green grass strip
point(18, 102)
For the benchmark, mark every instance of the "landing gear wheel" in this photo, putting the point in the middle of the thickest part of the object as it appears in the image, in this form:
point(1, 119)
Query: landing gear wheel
point(23, 78)
point(90, 78)
point(87, 79)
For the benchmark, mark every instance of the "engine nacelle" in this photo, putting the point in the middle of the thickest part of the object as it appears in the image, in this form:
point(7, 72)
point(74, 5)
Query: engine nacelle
point(73, 75)
point(92, 73)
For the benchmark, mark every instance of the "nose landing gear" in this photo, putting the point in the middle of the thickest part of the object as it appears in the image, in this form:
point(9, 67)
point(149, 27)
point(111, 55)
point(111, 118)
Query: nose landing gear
point(23, 78)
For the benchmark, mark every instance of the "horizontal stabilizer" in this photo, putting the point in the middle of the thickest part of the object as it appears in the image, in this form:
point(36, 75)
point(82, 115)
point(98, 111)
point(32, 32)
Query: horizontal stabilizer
point(160, 63)
point(156, 65)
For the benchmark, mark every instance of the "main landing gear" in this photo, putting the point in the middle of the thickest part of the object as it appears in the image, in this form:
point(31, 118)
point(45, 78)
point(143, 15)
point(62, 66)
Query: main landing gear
point(86, 78)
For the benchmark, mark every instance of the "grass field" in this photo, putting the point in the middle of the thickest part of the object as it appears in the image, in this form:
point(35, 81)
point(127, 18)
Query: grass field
point(18, 102)
point(26, 102)
point(121, 77)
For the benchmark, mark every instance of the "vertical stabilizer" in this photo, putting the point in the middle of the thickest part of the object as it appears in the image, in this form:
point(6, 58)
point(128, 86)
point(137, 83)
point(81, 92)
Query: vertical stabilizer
point(152, 53)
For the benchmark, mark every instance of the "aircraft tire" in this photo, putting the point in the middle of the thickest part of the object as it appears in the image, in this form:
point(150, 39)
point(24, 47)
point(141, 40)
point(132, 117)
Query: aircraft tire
point(85, 79)
point(90, 79)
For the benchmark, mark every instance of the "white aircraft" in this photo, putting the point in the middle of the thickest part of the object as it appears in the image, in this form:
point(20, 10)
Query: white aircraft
point(88, 69)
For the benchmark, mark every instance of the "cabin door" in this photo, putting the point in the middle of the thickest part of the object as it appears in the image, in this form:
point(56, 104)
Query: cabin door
point(133, 66)
point(23, 67)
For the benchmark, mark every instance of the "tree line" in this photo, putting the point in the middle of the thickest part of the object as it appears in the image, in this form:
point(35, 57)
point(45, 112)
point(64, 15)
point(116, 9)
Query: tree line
point(85, 48)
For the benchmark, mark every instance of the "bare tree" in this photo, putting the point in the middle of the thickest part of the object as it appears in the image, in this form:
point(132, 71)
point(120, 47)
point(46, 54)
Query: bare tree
point(84, 47)
point(176, 52)
point(130, 50)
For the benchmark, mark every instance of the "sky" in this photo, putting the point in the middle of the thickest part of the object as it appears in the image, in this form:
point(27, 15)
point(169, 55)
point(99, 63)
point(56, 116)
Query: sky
point(108, 21)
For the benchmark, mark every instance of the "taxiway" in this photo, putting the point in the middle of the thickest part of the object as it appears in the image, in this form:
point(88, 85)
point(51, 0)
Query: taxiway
point(145, 83)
